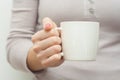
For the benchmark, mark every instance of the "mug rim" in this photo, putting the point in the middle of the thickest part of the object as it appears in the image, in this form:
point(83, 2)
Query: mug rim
point(79, 22)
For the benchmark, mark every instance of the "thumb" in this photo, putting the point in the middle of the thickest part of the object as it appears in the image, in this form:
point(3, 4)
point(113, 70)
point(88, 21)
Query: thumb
point(48, 24)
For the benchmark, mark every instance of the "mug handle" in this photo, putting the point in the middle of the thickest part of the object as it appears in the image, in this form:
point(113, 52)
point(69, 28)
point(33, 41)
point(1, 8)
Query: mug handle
point(59, 30)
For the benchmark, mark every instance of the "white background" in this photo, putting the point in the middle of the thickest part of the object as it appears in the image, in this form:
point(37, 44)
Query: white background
point(6, 71)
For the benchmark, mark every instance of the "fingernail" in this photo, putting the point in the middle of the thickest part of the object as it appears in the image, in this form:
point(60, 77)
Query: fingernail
point(47, 26)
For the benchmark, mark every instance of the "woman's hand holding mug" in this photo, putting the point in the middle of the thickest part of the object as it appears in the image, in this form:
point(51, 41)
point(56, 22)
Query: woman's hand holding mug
point(46, 48)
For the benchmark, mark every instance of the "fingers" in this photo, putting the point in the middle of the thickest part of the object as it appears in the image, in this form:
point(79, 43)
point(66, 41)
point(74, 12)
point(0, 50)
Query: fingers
point(53, 61)
point(47, 44)
point(49, 30)
point(42, 45)
point(49, 51)
point(41, 35)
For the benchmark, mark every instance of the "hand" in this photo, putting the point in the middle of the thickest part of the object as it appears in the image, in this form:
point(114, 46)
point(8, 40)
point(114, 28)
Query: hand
point(46, 49)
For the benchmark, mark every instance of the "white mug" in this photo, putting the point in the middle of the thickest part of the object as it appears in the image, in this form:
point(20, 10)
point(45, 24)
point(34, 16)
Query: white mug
point(79, 40)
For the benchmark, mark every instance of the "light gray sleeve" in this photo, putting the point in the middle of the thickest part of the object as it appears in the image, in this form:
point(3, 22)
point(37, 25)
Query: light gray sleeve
point(23, 24)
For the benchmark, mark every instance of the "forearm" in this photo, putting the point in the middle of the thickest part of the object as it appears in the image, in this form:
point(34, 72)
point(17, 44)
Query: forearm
point(17, 51)
point(23, 23)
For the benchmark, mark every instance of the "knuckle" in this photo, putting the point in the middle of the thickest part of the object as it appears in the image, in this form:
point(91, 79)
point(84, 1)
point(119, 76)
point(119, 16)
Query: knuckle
point(33, 38)
point(40, 55)
point(44, 64)
point(54, 33)
point(36, 48)
point(56, 40)
point(57, 48)
point(56, 57)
